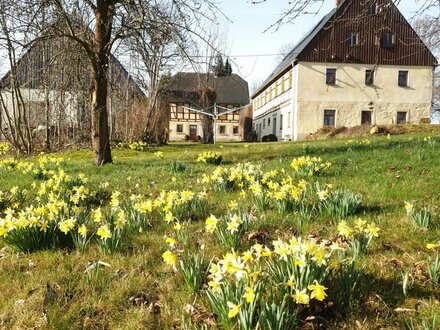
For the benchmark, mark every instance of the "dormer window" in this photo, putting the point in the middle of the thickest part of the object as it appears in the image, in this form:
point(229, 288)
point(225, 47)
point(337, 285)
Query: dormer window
point(352, 39)
point(387, 40)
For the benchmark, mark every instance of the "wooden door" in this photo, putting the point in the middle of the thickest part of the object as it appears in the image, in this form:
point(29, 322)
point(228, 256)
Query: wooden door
point(193, 132)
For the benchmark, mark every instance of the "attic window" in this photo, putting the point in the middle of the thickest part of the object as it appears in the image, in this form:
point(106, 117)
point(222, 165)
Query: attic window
point(387, 40)
point(330, 77)
point(372, 9)
point(352, 39)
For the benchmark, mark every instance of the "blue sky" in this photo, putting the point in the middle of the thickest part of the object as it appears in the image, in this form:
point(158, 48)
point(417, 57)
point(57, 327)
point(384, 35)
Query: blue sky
point(245, 34)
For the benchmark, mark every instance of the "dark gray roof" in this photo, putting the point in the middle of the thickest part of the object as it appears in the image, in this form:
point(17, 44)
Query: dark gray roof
point(295, 52)
point(229, 89)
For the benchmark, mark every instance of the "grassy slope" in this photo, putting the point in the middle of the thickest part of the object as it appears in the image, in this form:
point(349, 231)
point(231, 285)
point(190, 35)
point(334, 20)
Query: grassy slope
point(386, 172)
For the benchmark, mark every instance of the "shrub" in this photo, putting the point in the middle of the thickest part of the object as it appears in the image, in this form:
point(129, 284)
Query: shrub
point(269, 138)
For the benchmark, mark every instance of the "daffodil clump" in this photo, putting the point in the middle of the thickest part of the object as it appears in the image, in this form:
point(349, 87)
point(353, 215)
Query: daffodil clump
point(210, 157)
point(309, 166)
point(339, 203)
point(4, 148)
point(44, 167)
point(138, 145)
point(237, 177)
point(284, 196)
point(228, 229)
point(13, 198)
point(184, 204)
point(58, 209)
point(358, 236)
point(269, 285)
point(364, 142)
point(433, 264)
point(421, 217)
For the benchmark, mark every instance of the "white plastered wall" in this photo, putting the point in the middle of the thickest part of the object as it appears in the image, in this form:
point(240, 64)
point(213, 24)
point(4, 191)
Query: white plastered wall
point(350, 96)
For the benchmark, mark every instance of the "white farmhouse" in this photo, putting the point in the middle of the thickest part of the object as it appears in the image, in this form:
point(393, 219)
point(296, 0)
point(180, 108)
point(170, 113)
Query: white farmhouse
point(362, 64)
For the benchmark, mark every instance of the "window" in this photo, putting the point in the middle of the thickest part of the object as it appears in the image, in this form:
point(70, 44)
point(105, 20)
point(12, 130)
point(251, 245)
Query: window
point(403, 78)
point(387, 40)
point(179, 128)
point(264, 123)
point(366, 117)
point(330, 77)
point(235, 130)
point(330, 118)
point(268, 122)
point(352, 39)
point(281, 122)
point(369, 77)
point(401, 117)
point(222, 129)
point(372, 9)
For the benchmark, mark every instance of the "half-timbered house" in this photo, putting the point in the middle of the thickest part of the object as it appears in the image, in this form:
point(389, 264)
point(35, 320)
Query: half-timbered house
point(183, 94)
point(362, 64)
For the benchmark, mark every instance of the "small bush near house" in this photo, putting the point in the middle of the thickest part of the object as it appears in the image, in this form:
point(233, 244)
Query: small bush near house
point(269, 138)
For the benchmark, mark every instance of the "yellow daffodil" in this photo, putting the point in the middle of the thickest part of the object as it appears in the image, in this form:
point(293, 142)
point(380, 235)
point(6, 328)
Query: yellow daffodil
point(171, 241)
point(360, 224)
point(169, 258)
point(211, 224)
point(104, 232)
point(233, 309)
point(318, 291)
point(301, 297)
point(432, 246)
point(82, 230)
point(372, 230)
point(67, 225)
point(344, 230)
point(249, 295)
point(409, 207)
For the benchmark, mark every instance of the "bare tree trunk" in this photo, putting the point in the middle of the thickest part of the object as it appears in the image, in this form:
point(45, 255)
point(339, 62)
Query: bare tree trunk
point(207, 98)
point(100, 131)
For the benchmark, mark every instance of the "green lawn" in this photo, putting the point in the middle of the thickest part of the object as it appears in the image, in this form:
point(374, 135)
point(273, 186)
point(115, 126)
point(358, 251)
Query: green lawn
point(135, 289)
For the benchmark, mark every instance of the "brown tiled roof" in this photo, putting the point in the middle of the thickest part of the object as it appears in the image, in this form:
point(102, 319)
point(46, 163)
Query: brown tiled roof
point(229, 89)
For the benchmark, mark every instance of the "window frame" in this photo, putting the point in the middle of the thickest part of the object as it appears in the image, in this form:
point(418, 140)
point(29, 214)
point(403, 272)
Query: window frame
point(399, 122)
point(333, 111)
point(372, 9)
point(369, 77)
point(403, 74)
point(179, 126)
point(222, 128)
point(371, 117)
point(387, 40)
point(352, 39)
point(330, 76)
point(235, 130)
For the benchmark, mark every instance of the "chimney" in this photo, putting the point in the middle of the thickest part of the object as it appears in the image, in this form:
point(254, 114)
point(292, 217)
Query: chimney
point(338, 2)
